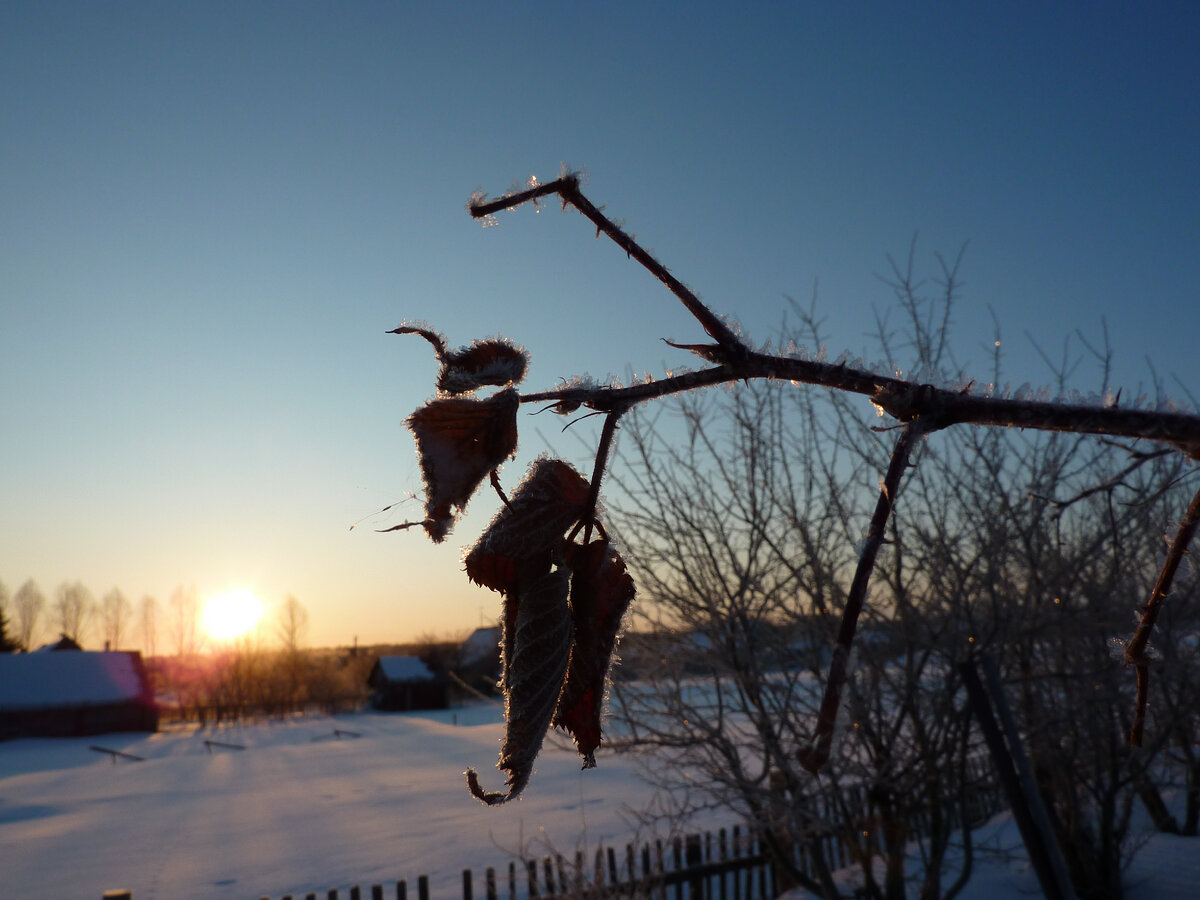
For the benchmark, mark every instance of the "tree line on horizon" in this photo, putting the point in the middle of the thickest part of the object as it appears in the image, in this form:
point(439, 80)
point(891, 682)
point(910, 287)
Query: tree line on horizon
point(28, 618)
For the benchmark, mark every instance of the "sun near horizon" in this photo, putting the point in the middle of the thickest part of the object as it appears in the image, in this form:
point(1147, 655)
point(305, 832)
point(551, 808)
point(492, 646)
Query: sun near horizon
point(231, 615)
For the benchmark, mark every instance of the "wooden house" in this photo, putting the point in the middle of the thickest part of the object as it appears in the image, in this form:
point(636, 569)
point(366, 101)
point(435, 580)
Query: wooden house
point(72, 693)
point(401, 683)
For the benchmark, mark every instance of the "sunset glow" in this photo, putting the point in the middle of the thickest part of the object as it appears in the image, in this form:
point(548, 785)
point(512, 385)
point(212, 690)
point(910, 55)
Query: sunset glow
point(232, 615)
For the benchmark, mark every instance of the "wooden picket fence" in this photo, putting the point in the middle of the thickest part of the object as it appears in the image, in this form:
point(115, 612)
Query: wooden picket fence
point(728, 865)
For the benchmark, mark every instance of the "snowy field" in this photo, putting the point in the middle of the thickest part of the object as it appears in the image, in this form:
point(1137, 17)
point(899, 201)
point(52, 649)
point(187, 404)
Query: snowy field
point(302, 810)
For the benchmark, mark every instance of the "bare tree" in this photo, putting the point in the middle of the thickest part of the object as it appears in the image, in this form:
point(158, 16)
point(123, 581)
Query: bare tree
point(74, 609)
point(185, 614)
point(28, 603)
point(114, 613)
point(292, 628)
point(8, 642)
point(149, 625)
point(1048, 570)
point(737, 533)
point(292, 624)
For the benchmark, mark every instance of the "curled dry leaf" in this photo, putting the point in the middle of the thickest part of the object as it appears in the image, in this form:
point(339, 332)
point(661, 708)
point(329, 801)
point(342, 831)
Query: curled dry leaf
point(601, 591)
point(535, 663)
point(544, 506)
point(460, 441)
point(496, 362)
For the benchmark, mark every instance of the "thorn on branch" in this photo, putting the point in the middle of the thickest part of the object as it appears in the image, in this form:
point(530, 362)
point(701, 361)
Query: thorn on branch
point(713, 353)
point(494, 478)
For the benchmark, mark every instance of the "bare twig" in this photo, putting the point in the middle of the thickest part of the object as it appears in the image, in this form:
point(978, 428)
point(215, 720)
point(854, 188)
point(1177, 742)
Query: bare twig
point(816, 754)
point(1136, 650)
point(607, 434)
point(1139, 459)
point(567, 187)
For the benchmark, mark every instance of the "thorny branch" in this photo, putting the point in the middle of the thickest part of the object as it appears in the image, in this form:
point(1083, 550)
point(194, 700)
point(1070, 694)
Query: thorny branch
point(567, 188)
point(906, 401)
point(922, 408)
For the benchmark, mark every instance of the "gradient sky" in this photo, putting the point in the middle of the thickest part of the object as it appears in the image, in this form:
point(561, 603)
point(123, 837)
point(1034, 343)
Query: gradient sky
point(211, 214)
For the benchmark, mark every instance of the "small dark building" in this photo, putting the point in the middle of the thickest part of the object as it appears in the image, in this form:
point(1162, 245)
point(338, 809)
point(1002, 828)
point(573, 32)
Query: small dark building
point(71, 693)
point(400, 683)
point(479, 660)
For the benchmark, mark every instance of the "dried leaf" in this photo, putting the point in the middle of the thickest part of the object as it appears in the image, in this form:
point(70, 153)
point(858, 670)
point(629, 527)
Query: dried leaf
point(601, 591)
point(460, 441)
point(544, 506)
point(494, 362)
point(537, 646)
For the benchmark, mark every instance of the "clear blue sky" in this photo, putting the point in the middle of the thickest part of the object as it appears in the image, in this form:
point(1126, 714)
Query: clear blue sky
point(211, 213)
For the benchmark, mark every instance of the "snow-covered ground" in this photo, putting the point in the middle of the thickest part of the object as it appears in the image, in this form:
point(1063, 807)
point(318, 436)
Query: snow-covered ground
point(303, 810)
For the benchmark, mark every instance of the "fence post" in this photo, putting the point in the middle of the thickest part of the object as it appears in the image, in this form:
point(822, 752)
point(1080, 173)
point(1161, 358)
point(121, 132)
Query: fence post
point(118, 895)
point(401, 890)
point(693, 858)
point(423, 887)
point(660, 861)
point(531, 869)
point(723, 855)
point(468, 887)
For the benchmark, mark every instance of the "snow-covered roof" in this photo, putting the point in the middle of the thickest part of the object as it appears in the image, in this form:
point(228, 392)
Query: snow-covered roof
point(483, 643)
point(68, 678)
point(404, 668)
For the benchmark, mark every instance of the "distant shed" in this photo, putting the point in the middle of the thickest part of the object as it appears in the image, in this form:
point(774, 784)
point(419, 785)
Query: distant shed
point(400, 683)
point(479, 659)
point(72, 693)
